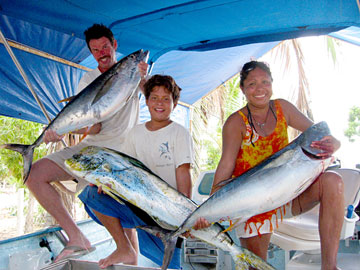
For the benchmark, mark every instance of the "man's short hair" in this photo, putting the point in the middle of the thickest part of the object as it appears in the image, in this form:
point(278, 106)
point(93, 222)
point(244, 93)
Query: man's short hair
point(98, 31)
point(162, 80)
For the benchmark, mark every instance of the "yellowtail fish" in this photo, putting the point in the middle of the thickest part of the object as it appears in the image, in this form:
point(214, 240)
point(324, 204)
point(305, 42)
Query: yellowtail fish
point(99, 101)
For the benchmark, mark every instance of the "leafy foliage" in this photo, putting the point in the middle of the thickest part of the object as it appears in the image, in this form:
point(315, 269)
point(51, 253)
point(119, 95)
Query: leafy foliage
point(209, 116)
point(17, 131)
point(11, 167)
point(353, 124)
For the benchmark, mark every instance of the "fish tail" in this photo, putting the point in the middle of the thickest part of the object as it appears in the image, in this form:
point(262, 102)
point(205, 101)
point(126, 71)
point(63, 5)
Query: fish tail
point(27, 152)
point(243, 258)
point(168, 239)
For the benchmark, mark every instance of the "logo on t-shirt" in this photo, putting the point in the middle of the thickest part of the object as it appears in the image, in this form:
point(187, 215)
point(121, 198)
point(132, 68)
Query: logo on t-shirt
point(164, 151)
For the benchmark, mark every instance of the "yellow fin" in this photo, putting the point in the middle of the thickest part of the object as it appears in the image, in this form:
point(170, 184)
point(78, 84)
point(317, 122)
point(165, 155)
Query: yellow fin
point(66, 99)
point(232, 226)
point(85, 134)
point(109, 192)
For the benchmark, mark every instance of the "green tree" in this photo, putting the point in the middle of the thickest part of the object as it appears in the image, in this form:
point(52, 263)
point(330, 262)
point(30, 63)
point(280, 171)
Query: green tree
point(353, 124)
point(11, 166)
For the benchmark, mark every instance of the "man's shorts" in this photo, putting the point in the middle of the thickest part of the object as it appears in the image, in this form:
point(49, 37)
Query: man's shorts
point(246, 230)
point(150, 246)
point(59, 158)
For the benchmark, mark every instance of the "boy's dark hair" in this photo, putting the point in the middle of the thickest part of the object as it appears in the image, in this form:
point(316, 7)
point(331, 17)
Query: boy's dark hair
point(98, 31)
point(249, 66)
point(162, 80)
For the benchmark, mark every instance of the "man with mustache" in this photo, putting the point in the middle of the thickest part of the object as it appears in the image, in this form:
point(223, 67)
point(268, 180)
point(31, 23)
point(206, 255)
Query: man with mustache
point(109, 133)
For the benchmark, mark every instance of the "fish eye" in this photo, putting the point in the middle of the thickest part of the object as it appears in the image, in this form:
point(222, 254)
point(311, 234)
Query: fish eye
point(107, 167)
point(76, 156)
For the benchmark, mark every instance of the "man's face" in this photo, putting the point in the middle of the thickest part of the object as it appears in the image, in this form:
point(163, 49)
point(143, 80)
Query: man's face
point(103, 52)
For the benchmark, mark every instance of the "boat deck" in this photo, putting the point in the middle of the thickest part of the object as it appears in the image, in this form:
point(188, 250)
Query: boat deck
point(32, 252)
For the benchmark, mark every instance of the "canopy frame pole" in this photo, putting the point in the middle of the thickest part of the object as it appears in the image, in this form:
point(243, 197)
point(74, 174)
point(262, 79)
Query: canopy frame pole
point(23, 74)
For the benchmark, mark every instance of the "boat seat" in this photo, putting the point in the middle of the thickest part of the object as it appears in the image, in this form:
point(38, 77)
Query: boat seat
point(301, 232)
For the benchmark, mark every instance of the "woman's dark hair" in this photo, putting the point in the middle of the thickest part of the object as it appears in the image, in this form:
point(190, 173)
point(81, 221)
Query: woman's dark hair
point(162, 80)
point(249, 66)
point(98, 31)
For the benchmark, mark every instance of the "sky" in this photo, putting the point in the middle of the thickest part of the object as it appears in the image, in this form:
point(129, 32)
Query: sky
point(334, 88)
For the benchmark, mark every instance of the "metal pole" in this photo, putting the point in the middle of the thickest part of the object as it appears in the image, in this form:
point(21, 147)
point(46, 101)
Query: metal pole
point(23, 74)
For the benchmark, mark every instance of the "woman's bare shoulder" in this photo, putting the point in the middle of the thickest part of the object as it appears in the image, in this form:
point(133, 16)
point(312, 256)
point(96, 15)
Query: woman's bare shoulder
point(235, 122)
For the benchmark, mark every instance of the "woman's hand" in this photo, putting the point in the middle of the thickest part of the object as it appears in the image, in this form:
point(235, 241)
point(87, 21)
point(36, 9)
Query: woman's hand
point(328, 145)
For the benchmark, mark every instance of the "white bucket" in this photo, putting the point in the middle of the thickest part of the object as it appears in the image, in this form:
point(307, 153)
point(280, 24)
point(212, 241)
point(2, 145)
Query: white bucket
point(348, 227)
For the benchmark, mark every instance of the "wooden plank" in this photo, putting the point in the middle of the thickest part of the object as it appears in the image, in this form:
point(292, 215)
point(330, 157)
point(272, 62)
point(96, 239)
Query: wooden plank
point(44, 54)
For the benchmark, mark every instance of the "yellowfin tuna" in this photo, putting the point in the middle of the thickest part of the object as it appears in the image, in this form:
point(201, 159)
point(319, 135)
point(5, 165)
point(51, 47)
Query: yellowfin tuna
point(99, 101)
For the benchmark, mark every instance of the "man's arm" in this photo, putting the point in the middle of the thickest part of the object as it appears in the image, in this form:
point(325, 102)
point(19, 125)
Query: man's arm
point(95, 129)
point(52, 136)
point(143, 67)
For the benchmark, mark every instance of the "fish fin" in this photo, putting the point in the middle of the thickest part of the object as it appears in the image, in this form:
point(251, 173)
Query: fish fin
point(243, 258)
point(155, 230)
point(168, 252)
point(87, 130)
point(140, 165)
point(110, 192)
point(232, 226)
point(102, 92)
point(66, 99)
point(168, 240)
point(27, 152)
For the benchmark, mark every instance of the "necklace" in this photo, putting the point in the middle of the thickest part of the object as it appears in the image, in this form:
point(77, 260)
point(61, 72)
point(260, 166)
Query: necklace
point(262, 125)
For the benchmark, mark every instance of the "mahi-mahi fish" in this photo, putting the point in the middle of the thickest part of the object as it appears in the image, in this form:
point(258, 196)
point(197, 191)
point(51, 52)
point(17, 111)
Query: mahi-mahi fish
point(267, 186)
point(122, 176)
point(99, 101)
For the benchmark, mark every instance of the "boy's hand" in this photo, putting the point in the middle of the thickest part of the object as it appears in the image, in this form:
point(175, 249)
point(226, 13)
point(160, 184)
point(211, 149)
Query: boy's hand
point(99, 188)
point(201, 223)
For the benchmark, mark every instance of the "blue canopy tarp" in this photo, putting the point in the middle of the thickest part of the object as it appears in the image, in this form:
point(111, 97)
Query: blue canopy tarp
point(200, 43)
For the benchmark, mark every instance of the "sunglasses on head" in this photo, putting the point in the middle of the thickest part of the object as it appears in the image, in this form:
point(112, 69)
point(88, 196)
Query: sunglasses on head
point(250, 68)
point(252, 65)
